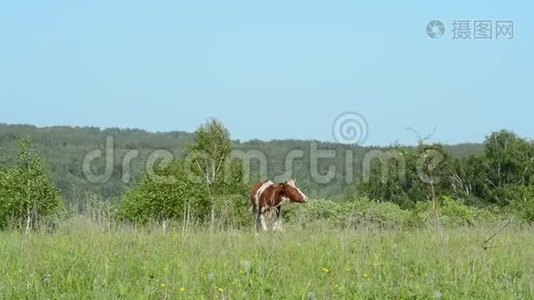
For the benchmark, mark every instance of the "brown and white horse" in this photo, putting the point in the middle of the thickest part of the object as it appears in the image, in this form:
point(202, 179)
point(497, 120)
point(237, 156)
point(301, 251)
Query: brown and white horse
point(267, 197)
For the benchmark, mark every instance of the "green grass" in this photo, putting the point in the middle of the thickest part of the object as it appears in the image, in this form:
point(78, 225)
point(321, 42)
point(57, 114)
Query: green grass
point(82, 261)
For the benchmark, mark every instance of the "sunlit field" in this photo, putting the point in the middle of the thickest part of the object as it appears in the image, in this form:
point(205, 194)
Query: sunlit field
point(81, 261)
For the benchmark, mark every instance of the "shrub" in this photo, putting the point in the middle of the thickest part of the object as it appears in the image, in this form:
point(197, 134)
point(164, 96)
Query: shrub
point(231, 211)
point(167, 195)
point(451, 212)
point(523, 205)
point(361, 212)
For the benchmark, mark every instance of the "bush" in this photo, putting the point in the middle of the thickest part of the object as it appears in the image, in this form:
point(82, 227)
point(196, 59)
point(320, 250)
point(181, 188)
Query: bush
point(451, 212)
point(231, 211)
point(167, 195)
point(361, 212)
point(523, 205)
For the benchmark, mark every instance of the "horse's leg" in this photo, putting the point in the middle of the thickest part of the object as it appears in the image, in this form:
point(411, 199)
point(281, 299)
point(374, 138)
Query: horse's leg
point(254, 214)
point(262, 220)
point(257, 218)
point(277, 225)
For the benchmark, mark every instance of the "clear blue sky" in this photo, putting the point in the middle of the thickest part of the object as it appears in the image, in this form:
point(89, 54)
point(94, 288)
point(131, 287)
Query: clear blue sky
point(268, 69)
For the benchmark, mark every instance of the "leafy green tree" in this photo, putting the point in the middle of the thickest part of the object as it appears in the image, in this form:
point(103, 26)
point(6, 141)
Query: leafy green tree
point(500, 175)
point(26, 193)
point(406, 175)
point(210, 157)
point(194, 187)
point(510, 157)
point(470, 179)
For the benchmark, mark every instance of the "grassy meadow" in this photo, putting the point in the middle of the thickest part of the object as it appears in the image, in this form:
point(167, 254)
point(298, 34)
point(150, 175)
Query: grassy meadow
point(83, 261)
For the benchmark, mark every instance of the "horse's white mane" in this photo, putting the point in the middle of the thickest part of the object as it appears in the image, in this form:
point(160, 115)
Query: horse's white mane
point(292, 182)
point(262, 189)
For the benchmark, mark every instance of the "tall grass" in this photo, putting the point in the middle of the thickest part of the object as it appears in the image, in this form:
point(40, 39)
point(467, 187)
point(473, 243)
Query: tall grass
point(85, 260)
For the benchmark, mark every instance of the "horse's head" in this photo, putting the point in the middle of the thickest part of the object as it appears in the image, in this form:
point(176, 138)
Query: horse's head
point(290, 191)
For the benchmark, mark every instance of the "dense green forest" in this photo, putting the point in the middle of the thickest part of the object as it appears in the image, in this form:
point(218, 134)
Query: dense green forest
point(63, 150)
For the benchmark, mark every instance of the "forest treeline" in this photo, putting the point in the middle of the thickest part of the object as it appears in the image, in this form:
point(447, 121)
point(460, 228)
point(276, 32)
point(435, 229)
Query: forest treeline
point(63, 150)
point(203, 182)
